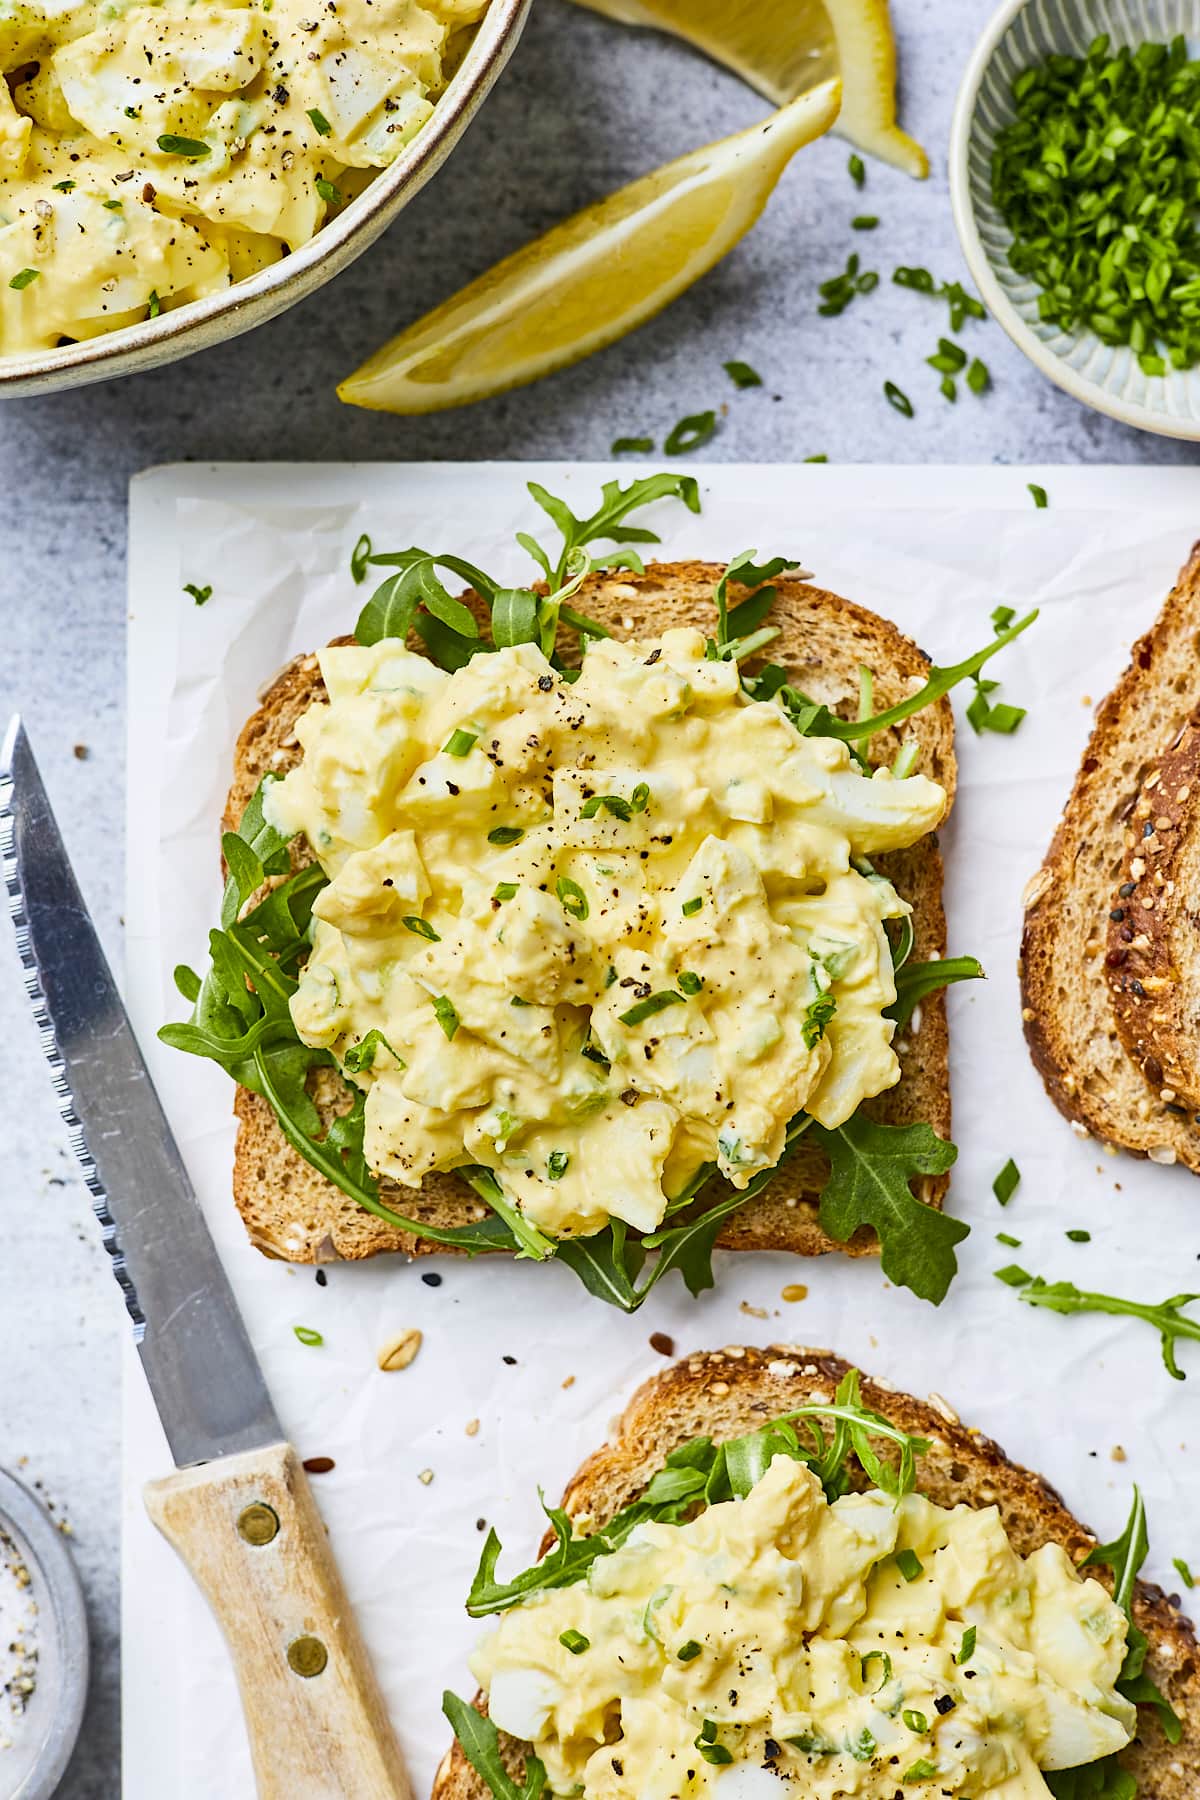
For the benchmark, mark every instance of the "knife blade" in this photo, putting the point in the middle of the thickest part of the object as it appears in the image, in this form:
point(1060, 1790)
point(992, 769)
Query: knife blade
point(238, 1510)
point(202, 1370)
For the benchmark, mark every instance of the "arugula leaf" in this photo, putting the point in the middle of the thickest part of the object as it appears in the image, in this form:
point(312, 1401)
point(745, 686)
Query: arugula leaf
point(481, 1746)
point(754, 609)
point(1167, 1319)
point(1104, 1780)
point(916, 981)
point(700, 1473)
point(1123, 1558)
point(871, 1166)
point(605, 524)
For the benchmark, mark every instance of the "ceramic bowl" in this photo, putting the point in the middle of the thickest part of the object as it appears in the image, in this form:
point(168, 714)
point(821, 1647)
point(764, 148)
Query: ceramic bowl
point(1023, 32)
point(34, 1766)
point(251, 302)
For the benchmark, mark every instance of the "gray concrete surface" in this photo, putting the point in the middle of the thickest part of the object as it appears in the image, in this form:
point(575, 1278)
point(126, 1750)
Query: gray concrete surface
point(585, 106)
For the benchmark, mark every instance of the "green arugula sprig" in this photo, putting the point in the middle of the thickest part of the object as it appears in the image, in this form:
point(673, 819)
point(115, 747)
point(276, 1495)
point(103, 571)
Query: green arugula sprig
point(241, 1016)
point(701, 1473)
point(1168, 1318)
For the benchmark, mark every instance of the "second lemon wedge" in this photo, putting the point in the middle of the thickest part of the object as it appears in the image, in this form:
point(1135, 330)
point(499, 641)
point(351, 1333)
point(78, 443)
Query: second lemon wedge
point(594, 277)
point(784, 47)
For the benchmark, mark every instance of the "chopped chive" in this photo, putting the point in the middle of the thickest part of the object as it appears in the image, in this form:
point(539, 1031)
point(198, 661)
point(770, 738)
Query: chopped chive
point(653, 1003)
point(556, 1165)
point(630, 446)
point(113, 205)
point(330, 193)
point(949, 391)
point(1002, 617)
point(1185, 1574)
point(1080, 1237)
point(950, 359)
point(421, 928)
point(63, 187)
point(693, 905)
point(505, 890)
point(360, 556)
point(199, 594)
point(864, 222)
point(307, 1336)
point(979, 377)
point(921, 1770)
point(1004, 718)
point(821, 458)
point(858, 170)
point(154, 304)
point(977, 714)
point(460, 743)
point(23, 278)
point(504, 835)
point(610, 975)
point(447, 1018)
point(574, 900)
point(320, 123)
point(1011, 1243)
point(909, 1564)
point(1013, 1275)
point(170, 145)
point(967, 1648)
point(918, 279)
point(897, 398)
point(613, 803)
point(876, 1656)
point(916, 1721)
point(691, 433)
point(639, 800)
point(1006, 1182)
point(575, 1642)
point(690, 983)
point(688, 1652)
point(742, 375)
point(1040, 497)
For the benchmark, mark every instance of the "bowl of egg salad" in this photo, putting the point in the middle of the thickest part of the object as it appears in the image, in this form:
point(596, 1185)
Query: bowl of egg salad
point(174, 173)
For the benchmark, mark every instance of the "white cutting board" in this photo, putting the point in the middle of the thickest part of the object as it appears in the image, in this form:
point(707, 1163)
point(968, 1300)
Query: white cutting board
point(935, 549)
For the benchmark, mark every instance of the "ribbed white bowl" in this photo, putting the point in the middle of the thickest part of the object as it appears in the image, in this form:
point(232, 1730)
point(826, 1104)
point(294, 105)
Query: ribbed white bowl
point(1023, 32)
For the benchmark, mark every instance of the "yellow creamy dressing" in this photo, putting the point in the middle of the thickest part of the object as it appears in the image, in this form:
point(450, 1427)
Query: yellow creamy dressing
point(281, 94)
point(785, 1607)
point(512, 940)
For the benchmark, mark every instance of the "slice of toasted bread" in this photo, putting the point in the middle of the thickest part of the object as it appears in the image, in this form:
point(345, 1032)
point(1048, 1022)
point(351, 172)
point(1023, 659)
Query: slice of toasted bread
point(1070, 1025)
point(724, 1393)
point(1153, 957)
point(292, 1212)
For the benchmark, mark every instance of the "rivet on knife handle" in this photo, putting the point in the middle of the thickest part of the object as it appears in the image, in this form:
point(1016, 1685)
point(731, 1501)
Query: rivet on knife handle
point(250, 1533)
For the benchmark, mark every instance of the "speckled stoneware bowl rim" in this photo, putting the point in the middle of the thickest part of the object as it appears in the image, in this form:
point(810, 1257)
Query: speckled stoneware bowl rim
point(263, 296)
point(58, 1701)
point(1090, 393)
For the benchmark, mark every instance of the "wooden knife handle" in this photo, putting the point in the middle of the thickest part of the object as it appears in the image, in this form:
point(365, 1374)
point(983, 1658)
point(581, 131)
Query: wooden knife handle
point(248, 1529)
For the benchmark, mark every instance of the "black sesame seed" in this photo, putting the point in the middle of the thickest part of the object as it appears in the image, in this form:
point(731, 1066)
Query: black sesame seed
point(1126, 889)
point(322, 1278)
point(510, 1360)
point(1117, 914)
point(431, 1278)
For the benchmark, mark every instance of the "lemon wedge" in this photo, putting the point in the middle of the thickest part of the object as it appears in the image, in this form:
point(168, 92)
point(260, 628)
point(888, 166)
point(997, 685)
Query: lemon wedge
point(593, 278)
point(783, 47)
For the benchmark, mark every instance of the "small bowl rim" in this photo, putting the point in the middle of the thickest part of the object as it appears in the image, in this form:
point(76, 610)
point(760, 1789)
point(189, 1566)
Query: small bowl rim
point(219, 317)
point(1080, 387)
point(25, 1518)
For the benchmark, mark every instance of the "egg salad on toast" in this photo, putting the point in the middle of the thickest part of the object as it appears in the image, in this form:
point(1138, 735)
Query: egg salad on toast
point(781, 1578)
point(566, 920)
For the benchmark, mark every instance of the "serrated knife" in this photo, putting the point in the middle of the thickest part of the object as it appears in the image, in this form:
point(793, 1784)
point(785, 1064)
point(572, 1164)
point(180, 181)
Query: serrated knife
point(238, 1509)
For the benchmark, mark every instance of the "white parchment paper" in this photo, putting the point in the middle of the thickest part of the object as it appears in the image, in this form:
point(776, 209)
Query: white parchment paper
point(518, 1350)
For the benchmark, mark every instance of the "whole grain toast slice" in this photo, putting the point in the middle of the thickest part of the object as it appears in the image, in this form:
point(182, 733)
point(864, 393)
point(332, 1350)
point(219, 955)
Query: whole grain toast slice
point(1070, 1025)
point(1153, 958)
point(294, 1213)
point(724, 1393)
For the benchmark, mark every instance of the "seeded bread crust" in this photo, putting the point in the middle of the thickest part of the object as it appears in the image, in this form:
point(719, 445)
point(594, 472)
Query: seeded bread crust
point(292, 1212)
point(1070, 1024)
point(723, 1393)
point(1153, 958)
